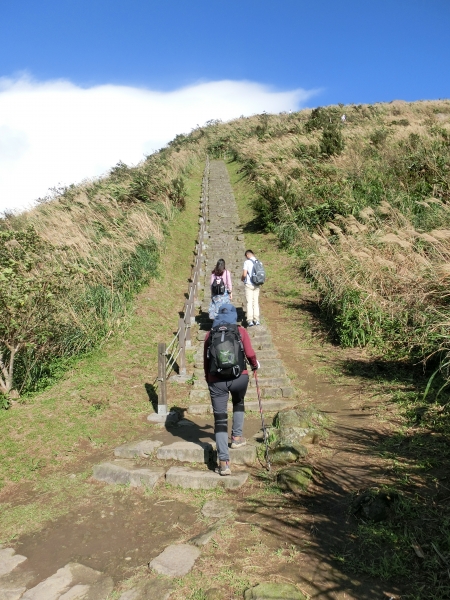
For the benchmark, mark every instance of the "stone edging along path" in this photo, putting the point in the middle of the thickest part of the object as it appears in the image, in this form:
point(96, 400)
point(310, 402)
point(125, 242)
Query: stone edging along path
point(75, 581)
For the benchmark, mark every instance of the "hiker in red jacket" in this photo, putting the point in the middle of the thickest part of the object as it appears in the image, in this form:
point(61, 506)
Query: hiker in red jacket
point(222, 384)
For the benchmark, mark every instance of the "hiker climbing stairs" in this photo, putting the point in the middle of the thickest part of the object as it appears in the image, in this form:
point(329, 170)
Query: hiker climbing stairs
point(225, 239)
point(169, 462)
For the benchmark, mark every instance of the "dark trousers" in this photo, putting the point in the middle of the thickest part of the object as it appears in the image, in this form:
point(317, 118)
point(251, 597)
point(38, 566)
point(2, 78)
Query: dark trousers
point(220, 392)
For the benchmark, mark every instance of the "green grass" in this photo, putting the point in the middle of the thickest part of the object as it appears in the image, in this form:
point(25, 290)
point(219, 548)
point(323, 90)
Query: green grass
point(414, 449)
point(101, 401)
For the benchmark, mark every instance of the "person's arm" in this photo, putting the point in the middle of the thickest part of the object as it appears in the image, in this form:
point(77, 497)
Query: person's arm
point(248, 348)
point(205, 356)
point(244, 275)
point(228, 284)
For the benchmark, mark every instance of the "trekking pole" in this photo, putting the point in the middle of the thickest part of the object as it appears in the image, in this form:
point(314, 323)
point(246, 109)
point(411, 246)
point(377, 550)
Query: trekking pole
point(266, 441)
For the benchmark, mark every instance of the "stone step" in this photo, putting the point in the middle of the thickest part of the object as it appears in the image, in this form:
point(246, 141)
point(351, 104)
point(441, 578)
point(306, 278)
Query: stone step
point(141, 449)
point(199, 394)
point(268, 354)
point(189, 478)
point(246, 455)
point(201, 452)
point(123, 471)
point(72, 582)
point(270, 381)
point(269, 405)
point(271, 371)
point(267, 385)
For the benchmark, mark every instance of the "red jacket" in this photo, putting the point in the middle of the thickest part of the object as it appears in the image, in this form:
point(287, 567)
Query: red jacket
point(248, 351)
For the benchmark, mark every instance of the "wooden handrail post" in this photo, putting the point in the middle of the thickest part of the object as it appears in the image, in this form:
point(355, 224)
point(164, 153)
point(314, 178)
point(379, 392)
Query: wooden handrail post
point(162, 391)
point(182, 345)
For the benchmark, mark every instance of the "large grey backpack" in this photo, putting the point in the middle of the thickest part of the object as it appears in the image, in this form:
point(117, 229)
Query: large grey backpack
point(258, 273)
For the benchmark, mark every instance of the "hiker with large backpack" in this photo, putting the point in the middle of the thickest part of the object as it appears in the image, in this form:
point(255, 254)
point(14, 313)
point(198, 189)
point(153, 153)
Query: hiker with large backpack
point(226, 352)
point(253, 276)
point(221, 288)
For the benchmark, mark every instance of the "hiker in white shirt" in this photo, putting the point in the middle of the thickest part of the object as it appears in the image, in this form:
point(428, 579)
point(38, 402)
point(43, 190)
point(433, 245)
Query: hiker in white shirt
point(251, 291)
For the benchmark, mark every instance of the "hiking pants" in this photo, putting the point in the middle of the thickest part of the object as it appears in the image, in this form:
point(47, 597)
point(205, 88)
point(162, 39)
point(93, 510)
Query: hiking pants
point(220, 392)
point(252, 297)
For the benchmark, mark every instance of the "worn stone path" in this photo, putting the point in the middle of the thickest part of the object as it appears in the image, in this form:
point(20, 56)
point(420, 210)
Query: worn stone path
point(225, 239)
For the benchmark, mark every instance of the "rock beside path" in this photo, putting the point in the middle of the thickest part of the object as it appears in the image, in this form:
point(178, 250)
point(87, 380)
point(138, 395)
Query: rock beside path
point(176, 560)
point(126, 472)
point(295, 479)
point(274, 591)
point(140, 449)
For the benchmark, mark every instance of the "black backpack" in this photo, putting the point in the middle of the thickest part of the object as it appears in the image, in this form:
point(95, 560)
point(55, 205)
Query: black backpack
point(258, 273)
point(218, 287)
point(226, 351)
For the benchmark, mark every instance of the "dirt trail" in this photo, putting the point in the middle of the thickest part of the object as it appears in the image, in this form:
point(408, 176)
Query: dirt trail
point(345, 461)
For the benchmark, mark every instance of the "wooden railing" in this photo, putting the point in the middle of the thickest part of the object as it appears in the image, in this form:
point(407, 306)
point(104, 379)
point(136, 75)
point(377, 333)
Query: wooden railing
point(175, 353)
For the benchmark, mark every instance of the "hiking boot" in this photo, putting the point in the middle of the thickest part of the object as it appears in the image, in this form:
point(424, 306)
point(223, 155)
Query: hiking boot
point(224, 467)
point(237, 442)
point(257, 323)
point(250, 324)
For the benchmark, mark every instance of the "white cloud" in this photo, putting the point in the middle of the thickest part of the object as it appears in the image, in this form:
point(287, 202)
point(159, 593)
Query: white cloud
point(54, 132)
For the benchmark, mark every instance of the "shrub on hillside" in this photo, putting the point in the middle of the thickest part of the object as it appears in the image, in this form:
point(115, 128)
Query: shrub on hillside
point(332, 141)
point(69, 268)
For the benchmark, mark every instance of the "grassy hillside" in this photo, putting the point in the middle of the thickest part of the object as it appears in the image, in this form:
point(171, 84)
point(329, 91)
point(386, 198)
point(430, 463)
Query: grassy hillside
point(364, 203)
point(69, 268)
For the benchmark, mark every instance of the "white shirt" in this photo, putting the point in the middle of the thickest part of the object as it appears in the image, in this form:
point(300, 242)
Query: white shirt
point(248, 266)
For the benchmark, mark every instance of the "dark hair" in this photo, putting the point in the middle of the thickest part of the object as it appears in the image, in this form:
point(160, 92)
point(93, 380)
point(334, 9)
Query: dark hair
point(249, 251)
point(219, 268)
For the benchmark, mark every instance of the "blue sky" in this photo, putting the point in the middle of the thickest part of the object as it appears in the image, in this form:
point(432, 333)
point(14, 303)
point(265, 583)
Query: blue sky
point(261, 55)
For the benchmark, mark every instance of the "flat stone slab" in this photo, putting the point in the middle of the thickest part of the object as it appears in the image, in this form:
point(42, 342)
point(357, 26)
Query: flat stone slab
point(217, 508)
point(194, 479)
point(9, 560)
point(170, 419)
point(126, 472)
point(203, 538)
point(158, 589)
point(186, 452)
point(141, 449)
point(72, 582)
point(176, 560)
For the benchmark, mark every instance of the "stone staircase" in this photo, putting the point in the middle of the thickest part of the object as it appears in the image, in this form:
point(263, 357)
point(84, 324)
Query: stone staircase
point(169, 463)
point(225, 239)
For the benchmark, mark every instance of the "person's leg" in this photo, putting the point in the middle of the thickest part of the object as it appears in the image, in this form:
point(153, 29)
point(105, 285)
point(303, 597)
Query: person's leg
point(249, 299)
point(238, 389)
point(256, 303)
point(219, 400)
